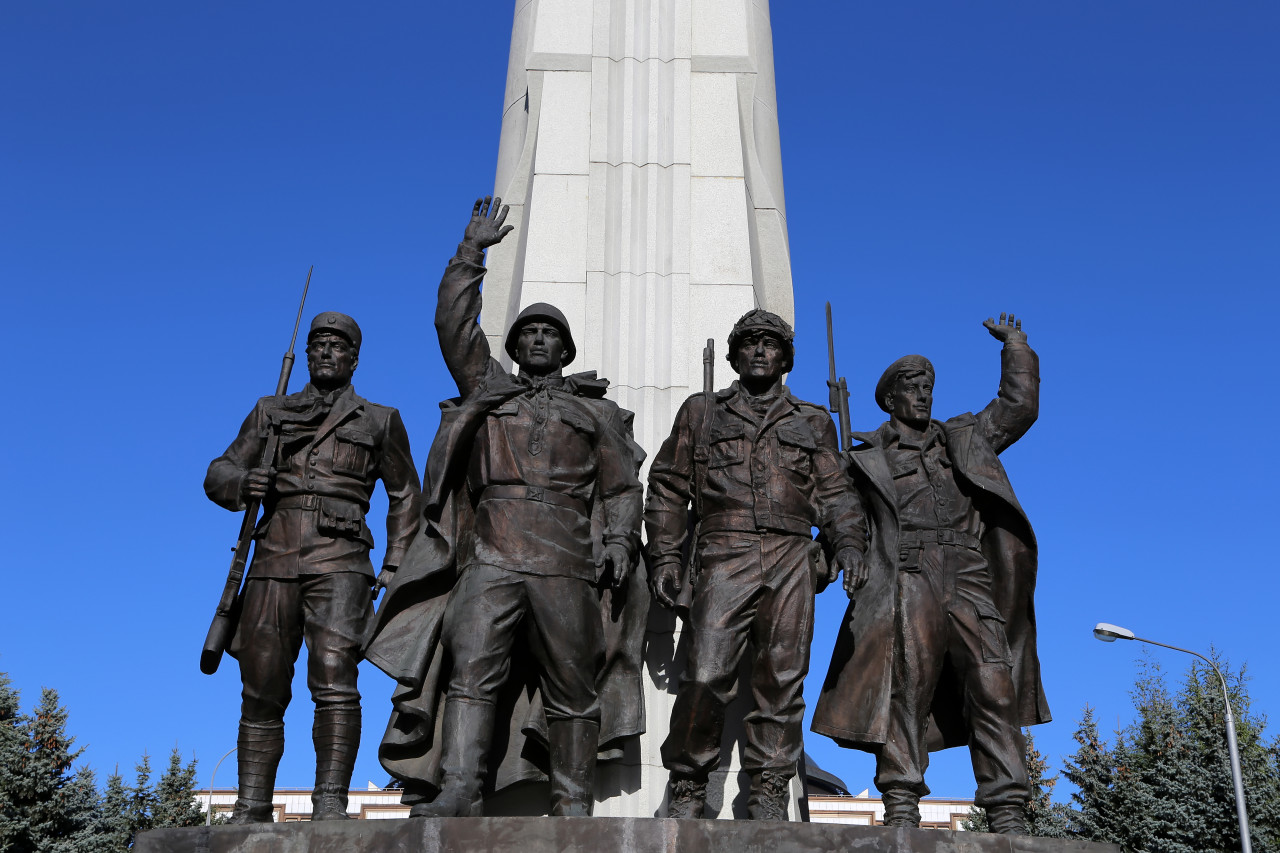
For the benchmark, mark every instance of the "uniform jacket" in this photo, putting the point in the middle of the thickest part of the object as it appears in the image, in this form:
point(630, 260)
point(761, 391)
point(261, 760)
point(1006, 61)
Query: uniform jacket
point(334, 466)
point(854, 704)
point(781, 474)
point(406, 640)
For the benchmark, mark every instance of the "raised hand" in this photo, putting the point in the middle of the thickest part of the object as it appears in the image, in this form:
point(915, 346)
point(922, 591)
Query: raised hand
point(486, 228)
point(1006, 330)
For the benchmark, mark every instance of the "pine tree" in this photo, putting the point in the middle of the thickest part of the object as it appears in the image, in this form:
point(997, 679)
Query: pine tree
point(176, 803)
point(142, 799)
point(116, 828)
point(13, 738)
point(1092, 769)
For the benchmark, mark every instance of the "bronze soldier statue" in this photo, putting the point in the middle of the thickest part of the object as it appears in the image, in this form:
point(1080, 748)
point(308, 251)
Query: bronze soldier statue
point(520, 582)
point(761, 469)
point(310, 578)
point(938, 646)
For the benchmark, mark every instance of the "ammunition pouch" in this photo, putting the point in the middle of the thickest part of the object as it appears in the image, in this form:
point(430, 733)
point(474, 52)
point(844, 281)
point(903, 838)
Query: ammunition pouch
point(340, 519)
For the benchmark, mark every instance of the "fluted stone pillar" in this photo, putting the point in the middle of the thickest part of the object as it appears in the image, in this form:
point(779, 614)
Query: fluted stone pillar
point(640, 157)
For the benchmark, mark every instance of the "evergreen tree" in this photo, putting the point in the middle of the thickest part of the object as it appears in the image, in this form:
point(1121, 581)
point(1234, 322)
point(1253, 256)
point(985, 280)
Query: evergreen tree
point(1092, 769)
point(142, 799)
point(115, 828)
point(13, 739)
point(176, 803)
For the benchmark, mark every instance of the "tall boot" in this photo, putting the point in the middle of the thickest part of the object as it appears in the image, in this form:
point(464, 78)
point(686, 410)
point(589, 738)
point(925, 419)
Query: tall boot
point(336, 734)
point(467, 729)
point(901, 808)
point(770, 793)
point(1007, 820)
point(573, 744)
point(259, 747)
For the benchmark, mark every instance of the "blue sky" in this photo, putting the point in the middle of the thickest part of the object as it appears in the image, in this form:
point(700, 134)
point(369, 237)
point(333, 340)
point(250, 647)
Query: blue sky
point(1106, 170)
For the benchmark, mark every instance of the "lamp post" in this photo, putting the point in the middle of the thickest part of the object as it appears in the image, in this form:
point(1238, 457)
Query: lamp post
point(1108, 633)
point(208, 815)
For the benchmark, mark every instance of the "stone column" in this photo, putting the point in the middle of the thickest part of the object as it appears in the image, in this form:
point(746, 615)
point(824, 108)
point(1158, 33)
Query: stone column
point(640, 157)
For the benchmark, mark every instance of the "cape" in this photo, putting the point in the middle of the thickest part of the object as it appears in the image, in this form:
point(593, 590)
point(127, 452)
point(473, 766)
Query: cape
point(405, 640)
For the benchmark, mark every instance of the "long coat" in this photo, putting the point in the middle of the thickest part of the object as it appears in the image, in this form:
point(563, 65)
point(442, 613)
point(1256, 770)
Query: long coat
point(406, 640)
point(853, 708)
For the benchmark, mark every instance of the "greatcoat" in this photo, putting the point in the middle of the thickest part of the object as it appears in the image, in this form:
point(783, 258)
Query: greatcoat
point(853, 708)
point(406, 640)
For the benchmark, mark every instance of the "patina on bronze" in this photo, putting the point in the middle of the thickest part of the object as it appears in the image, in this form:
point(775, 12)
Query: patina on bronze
point(310, 577)
point(762, 469)
point(938, 646)
point(513, 629)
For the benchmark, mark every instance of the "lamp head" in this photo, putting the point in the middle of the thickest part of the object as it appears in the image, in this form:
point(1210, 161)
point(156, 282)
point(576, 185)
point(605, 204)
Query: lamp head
point(1109, 633)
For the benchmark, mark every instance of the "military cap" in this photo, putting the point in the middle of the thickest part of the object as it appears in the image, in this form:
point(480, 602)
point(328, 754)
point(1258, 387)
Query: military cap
point(544, 313)
point(911, 363)
point(759, 320)
point(332, 321)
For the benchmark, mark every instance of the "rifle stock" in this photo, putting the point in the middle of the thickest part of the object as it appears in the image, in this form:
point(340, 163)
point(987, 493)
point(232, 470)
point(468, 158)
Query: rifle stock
point(226, 614)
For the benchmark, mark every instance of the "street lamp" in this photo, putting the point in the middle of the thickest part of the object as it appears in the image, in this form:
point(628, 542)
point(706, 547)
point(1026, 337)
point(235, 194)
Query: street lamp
point(1108, 633)
point(208, 815)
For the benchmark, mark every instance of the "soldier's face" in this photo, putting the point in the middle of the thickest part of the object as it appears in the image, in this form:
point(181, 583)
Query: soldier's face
point(913, 398)
point(331, 359)
point(760, 356)
point(539, 348)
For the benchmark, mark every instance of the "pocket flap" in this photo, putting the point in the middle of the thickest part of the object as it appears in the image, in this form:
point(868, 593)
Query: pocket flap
point(506, 409)
point(797, 437)
point(724, 432)
point(904, 470)
point(354, 435)
point(987, 610)
point(578, 421)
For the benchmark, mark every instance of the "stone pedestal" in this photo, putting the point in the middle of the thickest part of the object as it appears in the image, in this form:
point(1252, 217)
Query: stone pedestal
point(588, 835)
point(641, 160)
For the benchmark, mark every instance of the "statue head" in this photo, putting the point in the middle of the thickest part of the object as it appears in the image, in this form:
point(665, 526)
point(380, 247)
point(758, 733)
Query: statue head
point(333, 350)
point(540, 341)
point(905, 390)
point(761, 346)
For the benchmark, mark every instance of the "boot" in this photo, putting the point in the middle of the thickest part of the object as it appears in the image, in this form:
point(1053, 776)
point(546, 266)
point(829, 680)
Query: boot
point(686, 796)
point(573, 745)
point(258, 751)
point(901, 808)
point(336, 734)
point(770, 793)
point(1007, 820)
point(466, 730)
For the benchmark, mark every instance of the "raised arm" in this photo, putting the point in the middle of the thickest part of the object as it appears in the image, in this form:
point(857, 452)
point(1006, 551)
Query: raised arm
point(462, 341)
point(1015, 408)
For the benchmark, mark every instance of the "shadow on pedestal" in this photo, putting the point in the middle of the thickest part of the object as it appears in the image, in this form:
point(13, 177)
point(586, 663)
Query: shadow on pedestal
point(587, 835)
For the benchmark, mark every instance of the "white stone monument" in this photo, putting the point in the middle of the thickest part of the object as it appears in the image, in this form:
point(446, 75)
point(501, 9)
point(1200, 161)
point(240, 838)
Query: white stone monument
point(640, 158)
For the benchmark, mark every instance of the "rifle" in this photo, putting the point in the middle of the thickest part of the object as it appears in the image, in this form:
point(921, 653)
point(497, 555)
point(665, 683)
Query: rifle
point(702, 453)
point(839, 389)
point(227, 613)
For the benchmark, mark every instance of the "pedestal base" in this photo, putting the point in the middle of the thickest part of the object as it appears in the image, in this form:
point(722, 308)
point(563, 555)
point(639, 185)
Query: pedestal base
point(588, 835)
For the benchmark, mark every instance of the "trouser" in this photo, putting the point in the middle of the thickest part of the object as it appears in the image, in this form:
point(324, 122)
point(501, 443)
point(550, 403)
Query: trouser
point(756, 587)
point(561, 617)
point(945, 614)
point(330, 612)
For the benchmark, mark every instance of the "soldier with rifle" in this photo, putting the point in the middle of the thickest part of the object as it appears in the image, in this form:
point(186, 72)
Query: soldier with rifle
point(761, 469)
point(310, 578)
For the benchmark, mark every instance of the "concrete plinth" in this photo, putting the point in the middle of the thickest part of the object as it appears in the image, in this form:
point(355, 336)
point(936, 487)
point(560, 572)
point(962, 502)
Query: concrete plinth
point(588, 835)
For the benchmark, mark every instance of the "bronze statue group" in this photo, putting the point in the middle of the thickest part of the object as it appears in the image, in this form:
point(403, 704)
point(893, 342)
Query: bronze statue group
point(517, 587)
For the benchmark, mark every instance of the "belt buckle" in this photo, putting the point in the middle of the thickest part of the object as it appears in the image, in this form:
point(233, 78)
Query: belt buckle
point(535, 493)
point(310, 501)
point(946, 536)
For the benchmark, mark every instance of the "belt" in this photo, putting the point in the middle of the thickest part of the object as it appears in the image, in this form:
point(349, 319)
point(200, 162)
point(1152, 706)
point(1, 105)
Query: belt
point(918, 538)
point(298, 502)
point(535, 494)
